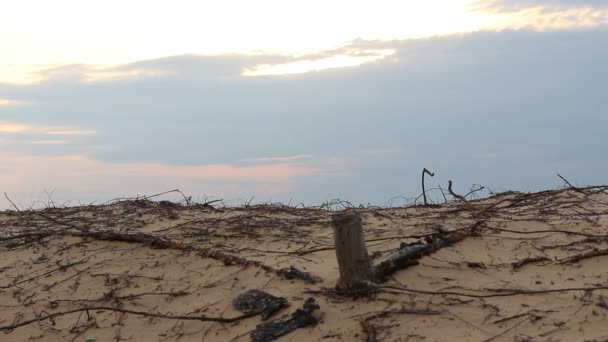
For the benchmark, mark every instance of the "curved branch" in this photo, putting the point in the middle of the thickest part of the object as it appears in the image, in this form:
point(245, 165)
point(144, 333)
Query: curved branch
point(423, 190)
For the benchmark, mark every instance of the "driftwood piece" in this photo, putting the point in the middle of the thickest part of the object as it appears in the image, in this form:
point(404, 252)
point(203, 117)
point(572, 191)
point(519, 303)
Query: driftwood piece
point(406, 256)
point(272, 330)
point(410, 254)
point(356, 271)
point(294, 273)
point(355, 265)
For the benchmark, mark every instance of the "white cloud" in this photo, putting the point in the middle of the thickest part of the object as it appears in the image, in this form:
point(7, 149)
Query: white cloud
point(277, 159)
point(23, 128)
point(49, 142)
point(551, 5)
point(10, 102)
point(308, 65)
point(70, 131)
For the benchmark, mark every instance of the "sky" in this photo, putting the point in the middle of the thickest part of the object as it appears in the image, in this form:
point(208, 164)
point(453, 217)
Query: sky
point(300, 101)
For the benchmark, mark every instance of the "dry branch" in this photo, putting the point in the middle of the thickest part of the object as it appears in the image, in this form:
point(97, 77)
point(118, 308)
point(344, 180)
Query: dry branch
point(460, 197)
point(592, 254)
point(12, 203)
point(425, 171)
point(369, 330)
point(472, 294)
point(43, 317)
point(519, 264)
point(577, 189)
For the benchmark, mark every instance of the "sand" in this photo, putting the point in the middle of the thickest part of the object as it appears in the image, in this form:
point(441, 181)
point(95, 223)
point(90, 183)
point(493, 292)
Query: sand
point(536, 271)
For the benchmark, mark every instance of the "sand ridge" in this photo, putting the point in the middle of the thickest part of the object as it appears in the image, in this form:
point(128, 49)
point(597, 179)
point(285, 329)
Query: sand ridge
point(536, 272)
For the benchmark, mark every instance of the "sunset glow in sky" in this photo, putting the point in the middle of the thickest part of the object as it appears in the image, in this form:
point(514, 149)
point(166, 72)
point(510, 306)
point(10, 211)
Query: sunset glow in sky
point(116, 32)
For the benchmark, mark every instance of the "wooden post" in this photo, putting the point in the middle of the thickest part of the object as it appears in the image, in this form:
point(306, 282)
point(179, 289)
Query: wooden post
point(355, 265)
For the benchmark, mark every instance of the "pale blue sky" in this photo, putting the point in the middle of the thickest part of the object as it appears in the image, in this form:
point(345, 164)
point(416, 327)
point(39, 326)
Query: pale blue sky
point(504, 108)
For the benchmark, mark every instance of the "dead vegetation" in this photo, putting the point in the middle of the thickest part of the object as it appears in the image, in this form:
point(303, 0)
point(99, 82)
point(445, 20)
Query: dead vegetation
point(525, 267)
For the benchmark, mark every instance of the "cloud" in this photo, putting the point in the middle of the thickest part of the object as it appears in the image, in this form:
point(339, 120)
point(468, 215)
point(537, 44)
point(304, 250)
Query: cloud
point(67, 167)
point(49, 142)
point(14, 128)
point(24, 128)
point(464, 106)
point(518, 5)
point(10, 102)
point(70, 132)
point(207, 67)
point(277, 159)
point(201, 67)
point(306, 65)
point(546, 14)
point(88, 73)
point(39, 139)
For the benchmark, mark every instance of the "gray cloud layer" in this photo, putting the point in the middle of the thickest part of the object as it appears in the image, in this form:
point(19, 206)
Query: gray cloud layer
point(515, 5)
point(504, 109)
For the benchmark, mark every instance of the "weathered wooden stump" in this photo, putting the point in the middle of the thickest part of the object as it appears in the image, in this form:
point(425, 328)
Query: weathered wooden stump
point(355, 265)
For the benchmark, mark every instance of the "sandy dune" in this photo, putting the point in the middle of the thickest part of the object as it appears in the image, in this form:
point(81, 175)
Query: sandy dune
point(537, 271)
